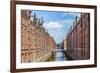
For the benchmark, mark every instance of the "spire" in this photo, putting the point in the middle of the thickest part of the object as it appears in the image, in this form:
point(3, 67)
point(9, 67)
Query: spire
point(38, 21)
point(35, 18)
point(76, 19)
point(29, 14)
point(41, 21)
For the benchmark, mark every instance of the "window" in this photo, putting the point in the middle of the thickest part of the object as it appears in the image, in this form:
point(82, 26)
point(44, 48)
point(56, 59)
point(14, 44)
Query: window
point(29, 53)
point(22, 54)
point(28, 38)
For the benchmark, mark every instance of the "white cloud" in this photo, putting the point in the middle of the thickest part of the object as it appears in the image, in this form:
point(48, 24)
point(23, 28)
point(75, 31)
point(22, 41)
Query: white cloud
point(58, 30)
point(53, 25)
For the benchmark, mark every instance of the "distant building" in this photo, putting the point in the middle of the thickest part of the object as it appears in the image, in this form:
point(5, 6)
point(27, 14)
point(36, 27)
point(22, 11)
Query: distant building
point(64, 44)
point(36, 44)
point(58, 46)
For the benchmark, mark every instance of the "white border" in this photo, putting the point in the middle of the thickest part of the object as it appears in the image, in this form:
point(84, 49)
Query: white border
point(20, 65)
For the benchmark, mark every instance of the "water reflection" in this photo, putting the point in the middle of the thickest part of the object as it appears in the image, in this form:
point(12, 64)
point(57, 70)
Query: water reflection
point(59, 56)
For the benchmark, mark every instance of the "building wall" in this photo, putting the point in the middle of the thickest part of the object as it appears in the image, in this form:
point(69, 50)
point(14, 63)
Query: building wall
point(35, 42)
point(64, 44)
point(78, 38)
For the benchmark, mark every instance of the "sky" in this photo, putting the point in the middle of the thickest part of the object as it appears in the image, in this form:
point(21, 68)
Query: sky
point(57, 23)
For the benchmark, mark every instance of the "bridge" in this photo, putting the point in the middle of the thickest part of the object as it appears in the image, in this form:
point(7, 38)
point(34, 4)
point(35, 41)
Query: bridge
point(58, 50)
point(58, 53)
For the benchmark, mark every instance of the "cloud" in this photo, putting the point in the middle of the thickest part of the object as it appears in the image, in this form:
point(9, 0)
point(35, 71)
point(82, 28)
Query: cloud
point(57, 35)
point(55, 30)
point(53, 25)
point(58, 29)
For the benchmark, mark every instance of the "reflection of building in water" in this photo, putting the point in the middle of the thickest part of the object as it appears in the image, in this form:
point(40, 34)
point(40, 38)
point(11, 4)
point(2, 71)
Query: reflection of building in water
point(78, 40)
point(36, 43)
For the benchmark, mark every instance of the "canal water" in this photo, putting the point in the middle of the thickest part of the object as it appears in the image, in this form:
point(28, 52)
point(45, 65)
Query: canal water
point(57, 56)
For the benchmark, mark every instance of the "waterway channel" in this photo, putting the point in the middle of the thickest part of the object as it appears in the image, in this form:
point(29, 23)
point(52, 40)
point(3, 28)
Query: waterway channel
point(57, 56)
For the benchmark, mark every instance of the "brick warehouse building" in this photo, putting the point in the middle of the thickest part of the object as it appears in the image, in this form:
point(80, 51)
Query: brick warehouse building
point(36, 43)
point(78, 38)
point(64, 44)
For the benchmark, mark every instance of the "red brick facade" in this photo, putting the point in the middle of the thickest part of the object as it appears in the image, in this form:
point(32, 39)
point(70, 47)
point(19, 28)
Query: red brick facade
point(36, 43)
point(78, 38)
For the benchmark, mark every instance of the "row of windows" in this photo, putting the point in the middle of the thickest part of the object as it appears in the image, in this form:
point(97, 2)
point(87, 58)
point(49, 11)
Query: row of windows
point(26, 53)
point(34, 38)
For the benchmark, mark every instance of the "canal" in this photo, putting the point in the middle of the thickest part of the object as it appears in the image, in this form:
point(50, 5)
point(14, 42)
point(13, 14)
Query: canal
point(60, 56)
point(57, 56)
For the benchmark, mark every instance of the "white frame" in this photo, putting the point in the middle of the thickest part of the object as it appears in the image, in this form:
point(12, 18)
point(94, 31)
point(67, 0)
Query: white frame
point(20, 65)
